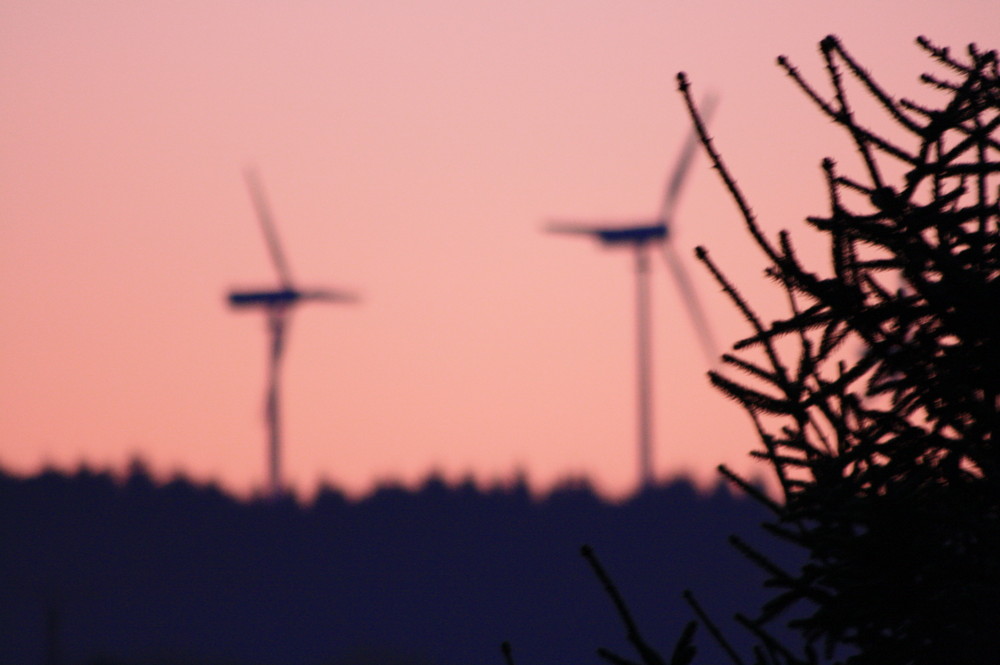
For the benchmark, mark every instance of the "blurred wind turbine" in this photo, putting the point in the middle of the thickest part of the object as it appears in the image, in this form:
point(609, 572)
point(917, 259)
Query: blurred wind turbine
point(639, 235)
point(277, 304)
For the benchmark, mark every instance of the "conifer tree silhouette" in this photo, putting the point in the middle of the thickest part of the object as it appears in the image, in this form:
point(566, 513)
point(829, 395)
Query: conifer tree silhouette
point(887, 459)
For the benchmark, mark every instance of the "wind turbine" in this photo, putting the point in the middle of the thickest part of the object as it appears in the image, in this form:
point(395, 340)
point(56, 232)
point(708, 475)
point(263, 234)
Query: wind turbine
point(639, 235)
point(277, 304)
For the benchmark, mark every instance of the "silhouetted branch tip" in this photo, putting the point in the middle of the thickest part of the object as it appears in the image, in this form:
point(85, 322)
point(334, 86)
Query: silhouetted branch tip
point(649, 655)
point(712, 628)
point(685, 650)
point(508, 655)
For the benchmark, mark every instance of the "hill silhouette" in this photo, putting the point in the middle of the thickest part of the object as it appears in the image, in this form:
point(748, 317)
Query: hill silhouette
point(104, 570)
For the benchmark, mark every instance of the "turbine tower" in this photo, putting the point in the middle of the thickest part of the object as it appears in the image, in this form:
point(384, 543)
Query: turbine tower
point(640, 236)
point(277, 304)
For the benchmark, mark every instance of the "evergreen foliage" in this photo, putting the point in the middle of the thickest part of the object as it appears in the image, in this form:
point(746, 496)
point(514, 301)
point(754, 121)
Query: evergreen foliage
point(886, 459)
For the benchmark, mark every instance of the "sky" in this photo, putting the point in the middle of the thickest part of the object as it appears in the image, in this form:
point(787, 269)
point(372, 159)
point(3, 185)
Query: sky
point(411, 152)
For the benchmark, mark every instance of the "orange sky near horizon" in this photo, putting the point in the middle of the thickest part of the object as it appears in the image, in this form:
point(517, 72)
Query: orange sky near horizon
point(411, 152)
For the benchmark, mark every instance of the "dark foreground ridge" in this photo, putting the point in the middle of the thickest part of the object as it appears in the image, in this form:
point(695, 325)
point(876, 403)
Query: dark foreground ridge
point(99, 570)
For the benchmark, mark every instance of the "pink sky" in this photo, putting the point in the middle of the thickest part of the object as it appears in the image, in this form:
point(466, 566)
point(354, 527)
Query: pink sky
point(411, 151)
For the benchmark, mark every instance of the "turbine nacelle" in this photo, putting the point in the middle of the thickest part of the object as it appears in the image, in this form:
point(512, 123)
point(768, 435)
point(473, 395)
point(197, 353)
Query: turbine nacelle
point(285, 297)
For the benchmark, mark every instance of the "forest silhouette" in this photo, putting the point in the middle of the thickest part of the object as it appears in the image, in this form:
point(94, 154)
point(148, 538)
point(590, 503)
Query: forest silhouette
point(106, 569)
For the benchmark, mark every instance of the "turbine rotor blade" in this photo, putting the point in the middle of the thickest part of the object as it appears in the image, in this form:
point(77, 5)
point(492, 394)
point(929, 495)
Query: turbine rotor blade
point(691, 302)
point(688, 151)
point(592, 228)
point(263, 211)
point(568, 227)
point(330, 295)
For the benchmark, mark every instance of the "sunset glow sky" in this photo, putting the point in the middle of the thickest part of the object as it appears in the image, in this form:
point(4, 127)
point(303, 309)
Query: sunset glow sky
point(411, 152)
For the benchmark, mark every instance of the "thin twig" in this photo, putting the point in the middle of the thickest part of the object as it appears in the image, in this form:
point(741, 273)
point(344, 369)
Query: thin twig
point(508, 656)
point(649, 655)
point(712, 628)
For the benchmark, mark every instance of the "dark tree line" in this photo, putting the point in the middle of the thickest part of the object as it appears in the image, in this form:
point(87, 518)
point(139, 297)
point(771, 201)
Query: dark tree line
point(875, 398)
point(101, 569)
